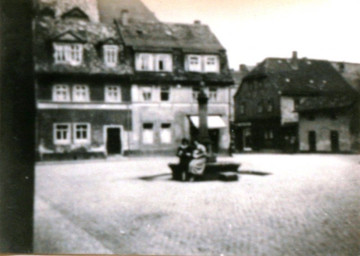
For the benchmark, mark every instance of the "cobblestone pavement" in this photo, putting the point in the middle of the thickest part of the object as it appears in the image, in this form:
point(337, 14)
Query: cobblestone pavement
point(281, 205)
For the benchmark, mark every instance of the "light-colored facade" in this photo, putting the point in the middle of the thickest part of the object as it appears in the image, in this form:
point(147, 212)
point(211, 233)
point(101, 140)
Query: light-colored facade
point(159, 125)
point(330, 133)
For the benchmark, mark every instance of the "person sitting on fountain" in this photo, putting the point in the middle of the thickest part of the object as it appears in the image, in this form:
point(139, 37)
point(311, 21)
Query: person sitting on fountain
point(184, 153)
point(197, 165)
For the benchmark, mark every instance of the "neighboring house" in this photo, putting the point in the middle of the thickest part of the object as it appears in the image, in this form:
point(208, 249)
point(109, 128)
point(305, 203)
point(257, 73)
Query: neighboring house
point(170, 60)
point(265, 104)
point(325, 123)
point(108, 84)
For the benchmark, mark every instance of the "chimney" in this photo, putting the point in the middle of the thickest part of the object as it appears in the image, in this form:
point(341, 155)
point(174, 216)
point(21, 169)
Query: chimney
point(294, 60)
point(341, 66)
point(243, 68)
point(197, 22)
point(124, 17)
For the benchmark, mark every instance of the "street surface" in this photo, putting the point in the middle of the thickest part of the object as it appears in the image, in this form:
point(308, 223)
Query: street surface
point(281, 205)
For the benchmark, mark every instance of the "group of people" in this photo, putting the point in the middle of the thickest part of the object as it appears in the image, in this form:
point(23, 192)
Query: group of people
point(192, 159)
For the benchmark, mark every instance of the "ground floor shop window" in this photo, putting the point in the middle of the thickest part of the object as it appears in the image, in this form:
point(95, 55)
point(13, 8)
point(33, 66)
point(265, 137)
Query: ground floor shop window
point(61, 134)
point(165, 133)
point(148, 133)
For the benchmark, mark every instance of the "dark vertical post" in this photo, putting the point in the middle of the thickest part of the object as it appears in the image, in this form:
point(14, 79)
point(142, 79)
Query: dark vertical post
point(204, 137)
point(17, 127)
point(203, 113)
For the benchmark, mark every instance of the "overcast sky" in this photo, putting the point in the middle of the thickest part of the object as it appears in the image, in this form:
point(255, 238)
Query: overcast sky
point(252, 30)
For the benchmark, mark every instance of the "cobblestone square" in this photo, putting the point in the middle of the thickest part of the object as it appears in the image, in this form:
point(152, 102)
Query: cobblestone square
point(281, 205)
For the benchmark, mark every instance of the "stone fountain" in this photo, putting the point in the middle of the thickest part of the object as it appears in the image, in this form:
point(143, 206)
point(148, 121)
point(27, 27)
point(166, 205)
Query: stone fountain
point(214, 170)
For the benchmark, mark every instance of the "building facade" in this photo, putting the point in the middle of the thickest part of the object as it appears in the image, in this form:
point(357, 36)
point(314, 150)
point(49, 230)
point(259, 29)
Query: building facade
point(112, 79)
point(267, 105)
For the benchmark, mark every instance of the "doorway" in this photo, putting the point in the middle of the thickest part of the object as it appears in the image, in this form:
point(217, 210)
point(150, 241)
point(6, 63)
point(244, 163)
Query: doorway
point(113, 141)
point(334, 138)
point(214, 137)
point(312, 141)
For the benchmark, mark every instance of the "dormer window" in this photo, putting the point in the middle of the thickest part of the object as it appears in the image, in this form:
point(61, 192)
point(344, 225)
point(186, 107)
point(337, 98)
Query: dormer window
point(202, 63)
point(154, 62)
point(211, 64)
point(194, 63)
point(68, 53)
point(111, 53)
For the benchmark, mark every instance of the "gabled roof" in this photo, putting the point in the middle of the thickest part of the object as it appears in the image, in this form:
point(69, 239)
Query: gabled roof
point(68, 36)
point(301, 76)
point(325, 103)
point(110, 10)
point(75, 13)
point(60, 7)
point(188, 37)
point(92, 34)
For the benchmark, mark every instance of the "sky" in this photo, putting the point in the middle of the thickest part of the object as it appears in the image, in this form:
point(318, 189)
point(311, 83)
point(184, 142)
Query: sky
point(252, 30)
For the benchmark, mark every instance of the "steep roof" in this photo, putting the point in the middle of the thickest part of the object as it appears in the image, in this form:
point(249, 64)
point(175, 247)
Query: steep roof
point(110, 10)
point(48, 30)
point(301, 76)
point(61, 7)
point(165, 36)
point(325, 103)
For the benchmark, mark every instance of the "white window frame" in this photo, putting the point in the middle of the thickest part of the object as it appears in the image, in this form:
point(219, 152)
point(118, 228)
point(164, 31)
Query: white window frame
point(211, 64)
point(166, 134)
point(144, 62)
point(111, 55)
point(146, 90)
point(80, 93)
point(65, 141)
point(113, 93)
point(167, 62)
point(148, 134)
point(68, 53)
point(61, 89)
point(194, 63)
point(86, 140)
point(213, 93)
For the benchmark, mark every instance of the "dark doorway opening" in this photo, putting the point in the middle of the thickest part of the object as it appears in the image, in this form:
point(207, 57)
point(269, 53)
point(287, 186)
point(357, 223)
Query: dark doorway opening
point(214, 137)
point(113, 141)
point(334, 137)
point(312, 141)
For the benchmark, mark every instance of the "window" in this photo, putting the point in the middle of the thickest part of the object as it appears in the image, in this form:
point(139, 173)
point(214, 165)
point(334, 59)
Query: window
point(202, 63)
point(112, 93)
point(61, 134)
point(146, 93)
point(194, 63)
point(165, 93)
point(154, 62)
point(260, 108)
point(270, 106)
point(269, 135)
point(61, 93)
point(242, 109)
point(148, 133)
point(163, 62)
point(81, 133)
point(211, 64)
point(66, 53)
point(213, 93)
point(144, 62)
point(81, 93)
point(111, 53)
point(165, 134)
point(195, 92)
